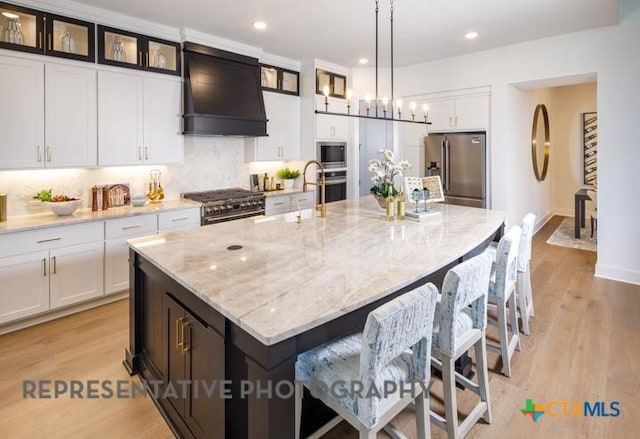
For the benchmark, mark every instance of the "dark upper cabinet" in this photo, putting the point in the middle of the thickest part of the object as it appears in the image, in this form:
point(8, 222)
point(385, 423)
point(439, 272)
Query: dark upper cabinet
point(280, 80)
point(70, 38)
point(121, 48)
point(22, 28)
point(337, 84)
point(40, 32)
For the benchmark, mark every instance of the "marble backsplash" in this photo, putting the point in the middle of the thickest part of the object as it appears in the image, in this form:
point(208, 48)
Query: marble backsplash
point(209, 163)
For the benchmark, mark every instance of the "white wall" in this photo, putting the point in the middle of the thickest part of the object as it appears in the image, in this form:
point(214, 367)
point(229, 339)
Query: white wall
point(610, 53)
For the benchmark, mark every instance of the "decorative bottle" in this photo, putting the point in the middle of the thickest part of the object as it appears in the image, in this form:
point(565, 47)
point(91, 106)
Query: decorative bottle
point(389, 204)
point(400, 205)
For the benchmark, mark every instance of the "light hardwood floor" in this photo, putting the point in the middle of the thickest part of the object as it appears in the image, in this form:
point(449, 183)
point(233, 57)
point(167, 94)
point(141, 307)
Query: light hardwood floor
point(584, 345)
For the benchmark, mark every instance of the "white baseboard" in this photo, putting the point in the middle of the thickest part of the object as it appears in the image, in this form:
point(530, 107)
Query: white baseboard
point(617, 274)
point(563, 212)
point(542, 221)
point(56, 314)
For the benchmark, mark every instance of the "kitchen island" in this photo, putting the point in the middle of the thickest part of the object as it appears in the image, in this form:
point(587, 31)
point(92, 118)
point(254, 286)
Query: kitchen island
point(233, 303)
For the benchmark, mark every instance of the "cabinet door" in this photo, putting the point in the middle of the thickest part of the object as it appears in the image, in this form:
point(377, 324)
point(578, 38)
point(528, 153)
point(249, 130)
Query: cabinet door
point(289, 121)
point(472, 113)
point(175, 371)
point(116, 265)
point(70, 116)
point(163, 142)
point(441, 115)
point(330, 127)
point(21, 113)
point(76, 273)
point(120, 119)
point(25, 285)
point(268, 147)
point(275, 205)
point(205, 364)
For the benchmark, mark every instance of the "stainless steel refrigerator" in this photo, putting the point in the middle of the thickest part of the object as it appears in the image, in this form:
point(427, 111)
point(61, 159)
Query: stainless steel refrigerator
point(459, 159)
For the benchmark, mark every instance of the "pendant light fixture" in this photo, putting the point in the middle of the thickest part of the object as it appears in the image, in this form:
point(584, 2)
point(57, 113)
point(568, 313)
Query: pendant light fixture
point(389, 111)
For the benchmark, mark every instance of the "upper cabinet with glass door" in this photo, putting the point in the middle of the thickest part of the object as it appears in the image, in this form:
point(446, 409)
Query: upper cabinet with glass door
point(280, 80)
point(334, 84)
point(40, 32)
point(127, 49)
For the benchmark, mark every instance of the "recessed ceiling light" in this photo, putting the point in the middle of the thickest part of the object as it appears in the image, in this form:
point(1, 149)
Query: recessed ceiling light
point(363, 61)
point(259, 25)
point(471, 35)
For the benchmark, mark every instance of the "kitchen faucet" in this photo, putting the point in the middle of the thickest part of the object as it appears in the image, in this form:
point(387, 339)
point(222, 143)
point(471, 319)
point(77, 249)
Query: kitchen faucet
point(322, 184)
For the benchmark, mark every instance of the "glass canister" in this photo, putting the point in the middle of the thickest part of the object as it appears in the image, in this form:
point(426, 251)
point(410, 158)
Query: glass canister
point(155, 193)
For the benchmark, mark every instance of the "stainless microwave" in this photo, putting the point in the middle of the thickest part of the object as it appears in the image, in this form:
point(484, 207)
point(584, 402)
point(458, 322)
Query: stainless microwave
point(333, 154)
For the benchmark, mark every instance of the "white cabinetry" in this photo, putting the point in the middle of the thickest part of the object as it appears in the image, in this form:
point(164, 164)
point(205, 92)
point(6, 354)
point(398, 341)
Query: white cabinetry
point(179, 219)
point(69, 114)
point(118, 231)
point(116, 262)
point(50, 268)
point(283, 129)
point(138, 119)
point(278, 204)
point(470, 112)
point(330, 127)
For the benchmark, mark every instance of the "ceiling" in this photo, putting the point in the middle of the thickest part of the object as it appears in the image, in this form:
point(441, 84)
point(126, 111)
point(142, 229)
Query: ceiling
point(341, 31)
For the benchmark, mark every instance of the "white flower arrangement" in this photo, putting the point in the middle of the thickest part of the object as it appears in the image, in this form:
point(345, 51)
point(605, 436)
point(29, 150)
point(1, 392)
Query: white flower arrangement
point(384, 171)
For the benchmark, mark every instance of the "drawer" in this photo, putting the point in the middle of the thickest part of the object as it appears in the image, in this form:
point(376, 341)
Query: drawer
point(131, 226)
point(305, 200)
point(276, 205)
point(179, 219)
point(50, 238)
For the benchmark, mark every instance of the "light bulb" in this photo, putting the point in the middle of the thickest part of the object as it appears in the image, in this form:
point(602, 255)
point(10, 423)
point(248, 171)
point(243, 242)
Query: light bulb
point(325, 91)
point(413, 108)
point(349, 94)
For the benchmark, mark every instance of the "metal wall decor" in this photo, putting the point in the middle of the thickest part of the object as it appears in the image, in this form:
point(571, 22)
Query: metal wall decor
point(536, 139)
point(590, 148)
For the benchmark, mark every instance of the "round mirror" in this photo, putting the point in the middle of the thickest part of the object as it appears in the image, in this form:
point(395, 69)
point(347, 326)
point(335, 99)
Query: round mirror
point(540, 146)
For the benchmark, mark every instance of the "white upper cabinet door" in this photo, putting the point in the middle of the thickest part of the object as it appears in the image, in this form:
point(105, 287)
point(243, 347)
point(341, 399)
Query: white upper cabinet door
point(441, 115)
point(289, 120)
point(120, 119)
point(329, 127)
point(267, 147)
point(21, 113)
point(70, 109)
point(163, 141)
point(472, 113)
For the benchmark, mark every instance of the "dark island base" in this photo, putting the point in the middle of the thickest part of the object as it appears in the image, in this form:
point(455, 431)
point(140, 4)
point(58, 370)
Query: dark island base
point(176, 336)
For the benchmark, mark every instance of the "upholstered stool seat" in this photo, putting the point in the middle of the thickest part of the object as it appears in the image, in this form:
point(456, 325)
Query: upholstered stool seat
point(393, 349)
point(460, 324)
point(502, 294)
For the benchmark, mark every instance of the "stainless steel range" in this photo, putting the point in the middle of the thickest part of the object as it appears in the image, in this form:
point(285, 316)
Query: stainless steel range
point(227, 204)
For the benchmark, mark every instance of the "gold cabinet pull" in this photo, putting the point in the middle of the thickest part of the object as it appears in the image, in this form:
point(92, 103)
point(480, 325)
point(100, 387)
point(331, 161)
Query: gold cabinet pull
point(39, 153)
point(44, 267)
point(146, 153)
point(48, 240)
point(55, 266)
point(178, 342)
point(185, 327)
point(139, 152)
point(48, 153)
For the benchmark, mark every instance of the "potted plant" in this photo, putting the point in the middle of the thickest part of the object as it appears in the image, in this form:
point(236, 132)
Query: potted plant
point(288, 176)
point(383, 173)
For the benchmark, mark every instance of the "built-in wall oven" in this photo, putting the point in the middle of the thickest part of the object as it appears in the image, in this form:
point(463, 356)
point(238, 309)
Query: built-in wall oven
point(333, 156)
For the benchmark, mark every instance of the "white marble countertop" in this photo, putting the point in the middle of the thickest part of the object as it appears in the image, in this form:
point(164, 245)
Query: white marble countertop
point(291, 277)
point(50, 219)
